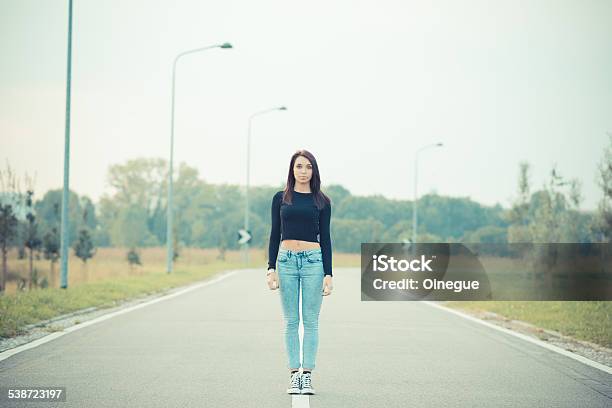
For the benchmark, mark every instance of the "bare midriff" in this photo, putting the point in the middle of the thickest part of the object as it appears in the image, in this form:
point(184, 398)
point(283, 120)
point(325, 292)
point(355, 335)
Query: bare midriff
point(297, 245)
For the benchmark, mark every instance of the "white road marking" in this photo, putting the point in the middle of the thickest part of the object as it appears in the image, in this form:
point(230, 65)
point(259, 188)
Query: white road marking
point(540, 343)
point(11, 352)
point(300, 401)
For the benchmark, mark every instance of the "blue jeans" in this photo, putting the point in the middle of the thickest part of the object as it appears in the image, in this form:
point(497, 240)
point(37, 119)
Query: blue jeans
point(301, 269)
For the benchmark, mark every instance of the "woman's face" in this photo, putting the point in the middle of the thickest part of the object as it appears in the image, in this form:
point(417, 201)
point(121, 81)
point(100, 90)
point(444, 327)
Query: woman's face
point(302, 170)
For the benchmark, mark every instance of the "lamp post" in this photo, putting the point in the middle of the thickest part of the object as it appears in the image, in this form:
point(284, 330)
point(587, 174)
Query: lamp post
point(248, 166)
point(65, 240)
point(414, 205)
point(169, 231)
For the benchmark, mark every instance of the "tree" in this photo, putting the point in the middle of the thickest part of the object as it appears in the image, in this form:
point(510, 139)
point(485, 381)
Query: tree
point(8, 228)
point(336, 193)
point(602, 226)
point(139, 188)
point(448, 218)
point(191, 194)
point(133, 258)
point(49, 217)
point(9, 202)
point(552, 210)
point(32, 240)
point(347, 234)
point(84, 248)
point(156, 221)
point(549, 215)
point(51, 250)
point(138, 181)
point(129, 228)
point(518, 216)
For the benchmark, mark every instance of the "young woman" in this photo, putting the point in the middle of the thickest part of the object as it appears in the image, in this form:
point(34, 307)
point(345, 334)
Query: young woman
point(300, 224)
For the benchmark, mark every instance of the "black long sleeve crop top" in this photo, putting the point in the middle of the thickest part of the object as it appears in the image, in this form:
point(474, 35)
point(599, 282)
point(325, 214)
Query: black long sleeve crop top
point(301, 220)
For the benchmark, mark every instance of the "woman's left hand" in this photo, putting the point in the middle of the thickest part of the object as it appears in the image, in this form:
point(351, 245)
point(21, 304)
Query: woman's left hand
point(327, 285)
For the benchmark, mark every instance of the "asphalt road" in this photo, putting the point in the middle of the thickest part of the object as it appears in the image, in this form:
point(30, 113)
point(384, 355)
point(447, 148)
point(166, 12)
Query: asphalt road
point(222, 346)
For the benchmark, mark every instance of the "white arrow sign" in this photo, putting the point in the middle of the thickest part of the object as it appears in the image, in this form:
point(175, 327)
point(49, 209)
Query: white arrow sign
point(244, 236)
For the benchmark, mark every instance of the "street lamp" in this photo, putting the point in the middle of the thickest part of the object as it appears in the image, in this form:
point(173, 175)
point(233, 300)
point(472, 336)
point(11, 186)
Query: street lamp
point(246, 208)
point(65, 241)
point(169, 232)
point(414, 205)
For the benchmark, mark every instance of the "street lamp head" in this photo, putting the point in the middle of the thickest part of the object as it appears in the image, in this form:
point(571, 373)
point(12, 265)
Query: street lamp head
point(439, 144)
point(282, 108)
point(226, 45)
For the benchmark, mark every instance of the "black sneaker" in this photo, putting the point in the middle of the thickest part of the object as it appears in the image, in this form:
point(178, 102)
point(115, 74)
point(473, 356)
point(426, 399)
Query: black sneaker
point(295, 383)
point(306, 384)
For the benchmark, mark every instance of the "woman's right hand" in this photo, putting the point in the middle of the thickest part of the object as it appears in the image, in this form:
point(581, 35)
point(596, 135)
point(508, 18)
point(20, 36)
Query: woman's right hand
point(273, 283)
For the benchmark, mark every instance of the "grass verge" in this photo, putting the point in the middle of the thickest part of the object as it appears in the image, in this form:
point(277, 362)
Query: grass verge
point(590, 321)
point(23, 308)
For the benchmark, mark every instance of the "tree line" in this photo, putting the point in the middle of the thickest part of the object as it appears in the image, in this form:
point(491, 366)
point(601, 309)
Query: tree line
point(133, 214)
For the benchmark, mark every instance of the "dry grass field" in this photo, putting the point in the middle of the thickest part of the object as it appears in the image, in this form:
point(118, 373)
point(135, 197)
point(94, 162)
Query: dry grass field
point(111, 263)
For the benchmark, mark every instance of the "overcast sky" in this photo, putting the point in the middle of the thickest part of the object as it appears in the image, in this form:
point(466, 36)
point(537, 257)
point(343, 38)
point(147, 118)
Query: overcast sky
point(366, 83)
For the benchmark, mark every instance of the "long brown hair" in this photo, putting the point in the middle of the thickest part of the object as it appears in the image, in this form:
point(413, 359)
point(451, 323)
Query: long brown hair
point(320, 199)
